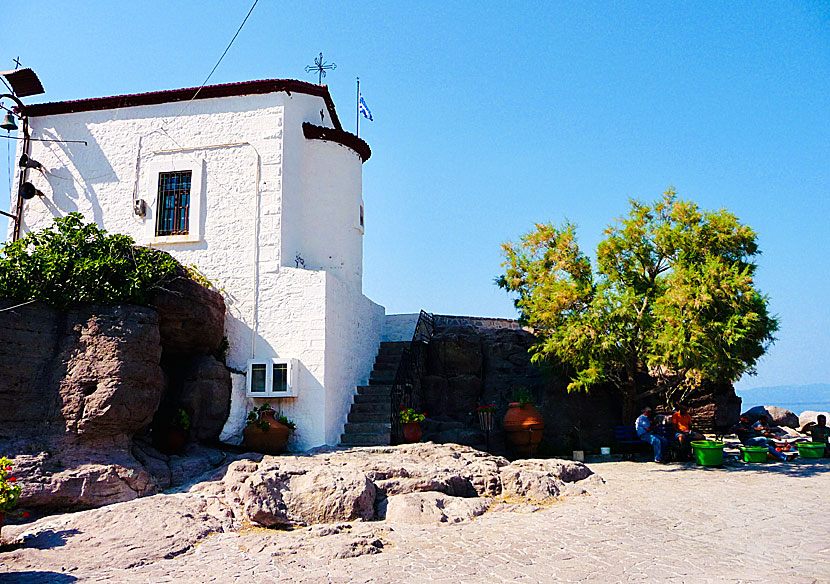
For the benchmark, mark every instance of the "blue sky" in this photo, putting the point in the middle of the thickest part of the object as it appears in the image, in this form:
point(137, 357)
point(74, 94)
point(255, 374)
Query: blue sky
point(492, 116)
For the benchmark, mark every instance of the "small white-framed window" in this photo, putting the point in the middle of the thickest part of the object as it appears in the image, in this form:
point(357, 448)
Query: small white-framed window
point(271, 378)
point(174, 195)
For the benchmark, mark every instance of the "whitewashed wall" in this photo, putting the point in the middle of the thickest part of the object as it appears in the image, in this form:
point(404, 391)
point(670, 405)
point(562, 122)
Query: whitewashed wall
point(353, 326)
point(248, 252)
point(399, 327)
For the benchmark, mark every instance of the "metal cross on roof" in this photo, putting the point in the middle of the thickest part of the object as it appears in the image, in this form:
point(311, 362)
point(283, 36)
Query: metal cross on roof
point(16, 62)
point(321, 67)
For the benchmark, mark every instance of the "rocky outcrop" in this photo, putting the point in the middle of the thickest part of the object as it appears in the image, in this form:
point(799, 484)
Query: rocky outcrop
point(777, 416)
point(342, 488)
point(81, 384)
point(191, 317)
point(431, 507)
point(86, 377)
point(413, 483)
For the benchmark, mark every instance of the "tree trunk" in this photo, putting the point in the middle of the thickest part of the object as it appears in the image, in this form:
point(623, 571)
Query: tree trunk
point(629, 395)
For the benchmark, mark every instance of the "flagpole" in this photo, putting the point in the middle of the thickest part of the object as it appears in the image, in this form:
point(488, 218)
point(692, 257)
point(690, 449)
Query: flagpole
point(357, 110)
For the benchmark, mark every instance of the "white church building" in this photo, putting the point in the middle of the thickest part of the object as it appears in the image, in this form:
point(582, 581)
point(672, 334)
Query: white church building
point(256, 184)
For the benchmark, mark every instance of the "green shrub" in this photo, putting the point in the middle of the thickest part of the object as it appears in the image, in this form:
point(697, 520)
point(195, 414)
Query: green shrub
point(71, 262)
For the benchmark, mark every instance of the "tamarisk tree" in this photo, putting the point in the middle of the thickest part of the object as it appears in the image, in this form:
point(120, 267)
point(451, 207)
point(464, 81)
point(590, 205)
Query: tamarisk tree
point(673, 297)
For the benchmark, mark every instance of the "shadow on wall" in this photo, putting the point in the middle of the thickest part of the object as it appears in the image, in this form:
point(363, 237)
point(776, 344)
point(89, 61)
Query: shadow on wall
point(64, 196)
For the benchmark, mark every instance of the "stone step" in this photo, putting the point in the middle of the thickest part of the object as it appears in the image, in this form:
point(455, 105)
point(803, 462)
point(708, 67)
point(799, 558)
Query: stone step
point(365, 439)
point(380, 407)
point(387, 346)
point(392, 365)
point(375, 390)
point(383, 381)
point(357, 417)
point(371, 398)
point(368, 427)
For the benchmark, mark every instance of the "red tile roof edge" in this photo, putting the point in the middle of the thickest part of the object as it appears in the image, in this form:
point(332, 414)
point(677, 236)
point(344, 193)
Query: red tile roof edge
point(341, 137)
point(186, 94)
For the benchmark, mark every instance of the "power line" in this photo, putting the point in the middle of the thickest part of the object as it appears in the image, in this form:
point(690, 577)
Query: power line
point(212, 71)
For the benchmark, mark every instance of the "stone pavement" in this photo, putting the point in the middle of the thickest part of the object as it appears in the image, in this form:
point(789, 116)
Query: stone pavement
point(648, 523)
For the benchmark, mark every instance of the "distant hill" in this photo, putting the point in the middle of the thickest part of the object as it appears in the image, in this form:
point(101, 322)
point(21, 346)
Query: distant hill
point(796, 398)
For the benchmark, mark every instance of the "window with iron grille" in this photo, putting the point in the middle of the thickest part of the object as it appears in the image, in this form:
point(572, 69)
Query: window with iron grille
point(173, 202)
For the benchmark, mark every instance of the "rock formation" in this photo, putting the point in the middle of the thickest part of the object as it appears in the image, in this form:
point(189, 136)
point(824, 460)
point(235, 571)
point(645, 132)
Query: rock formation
point(777, 416)
point(417, 484)
point(82, 387)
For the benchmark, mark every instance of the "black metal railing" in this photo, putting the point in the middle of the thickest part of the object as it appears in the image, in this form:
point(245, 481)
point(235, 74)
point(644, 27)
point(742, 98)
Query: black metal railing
point(408, 376)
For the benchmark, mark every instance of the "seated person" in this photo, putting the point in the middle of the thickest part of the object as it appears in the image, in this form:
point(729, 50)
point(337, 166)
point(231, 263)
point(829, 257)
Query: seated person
point(682, 422)
point(647, 432)
point(758, 435)
point(821, 433)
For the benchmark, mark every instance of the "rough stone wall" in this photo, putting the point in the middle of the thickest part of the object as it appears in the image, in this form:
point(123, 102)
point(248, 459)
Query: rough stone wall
point(470, 365)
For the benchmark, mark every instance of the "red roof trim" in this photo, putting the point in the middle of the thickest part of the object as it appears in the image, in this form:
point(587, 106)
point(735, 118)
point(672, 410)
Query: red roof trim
point(173, 95)
point(342, 137)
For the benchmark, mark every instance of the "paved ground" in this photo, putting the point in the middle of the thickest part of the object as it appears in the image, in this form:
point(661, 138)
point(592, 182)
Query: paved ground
point(649, 523)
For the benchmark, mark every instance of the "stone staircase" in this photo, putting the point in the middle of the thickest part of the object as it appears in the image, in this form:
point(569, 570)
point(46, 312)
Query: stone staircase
point(369, 422)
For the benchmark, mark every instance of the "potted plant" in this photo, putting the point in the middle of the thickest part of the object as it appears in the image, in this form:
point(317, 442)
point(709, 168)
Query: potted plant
point(172, 434)
point(9, 489)
point(267, 432)
point(523, 424)
point(411, 424)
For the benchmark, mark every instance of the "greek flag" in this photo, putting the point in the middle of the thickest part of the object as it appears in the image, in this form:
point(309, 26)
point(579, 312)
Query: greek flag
point(364, 109)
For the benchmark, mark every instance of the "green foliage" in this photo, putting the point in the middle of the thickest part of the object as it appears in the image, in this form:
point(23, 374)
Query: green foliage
point(221, 351)
point(181, 420)
point(9, 489)
point(673, 297)
point(286, 422)
point(71, 262)
point(255, 418)
point(522, 395)
point(408, 415)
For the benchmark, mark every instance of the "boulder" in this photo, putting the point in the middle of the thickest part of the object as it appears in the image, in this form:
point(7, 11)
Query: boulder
point(810, 416)
point(90, 375)
point(777, 416)
point(206, 394)
point(191, 317)
point(540, 480)
point(432, 507)
point(109, 378)
point(294, 492)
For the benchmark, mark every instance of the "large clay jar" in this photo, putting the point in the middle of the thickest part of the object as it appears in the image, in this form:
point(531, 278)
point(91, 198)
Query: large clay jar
point(412, 432)
point(172, 441)
point(523, 426)
point(270, 441)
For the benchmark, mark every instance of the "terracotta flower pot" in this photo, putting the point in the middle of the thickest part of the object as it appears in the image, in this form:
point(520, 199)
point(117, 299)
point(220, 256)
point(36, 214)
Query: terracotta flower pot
point(523, 426)
point(172, 441)
point(412, 432)
point(271, 441)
